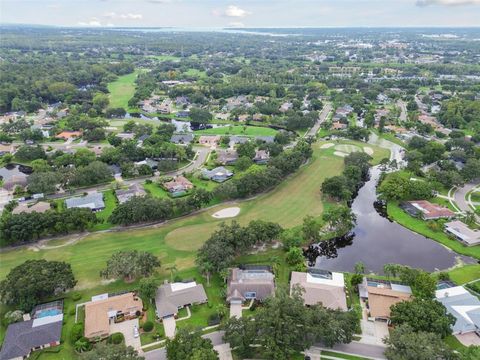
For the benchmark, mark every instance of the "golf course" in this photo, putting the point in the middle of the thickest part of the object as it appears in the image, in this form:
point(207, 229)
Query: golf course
point(122, 89)
point(176, 241)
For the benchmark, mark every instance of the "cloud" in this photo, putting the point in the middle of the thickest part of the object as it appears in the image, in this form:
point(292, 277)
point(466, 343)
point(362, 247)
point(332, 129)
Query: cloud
point(94, 22)
point(128, 16)
point(235, 11)
point(447, 2)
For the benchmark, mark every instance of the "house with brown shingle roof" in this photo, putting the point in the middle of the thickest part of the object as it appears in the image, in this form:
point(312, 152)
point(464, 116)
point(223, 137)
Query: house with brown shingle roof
point(426, 210)
point(104, 310)
point(321, 287)
point(251, 282)
point(178, 184)
point(380, 295)
point(40, 207)
point(227, 157)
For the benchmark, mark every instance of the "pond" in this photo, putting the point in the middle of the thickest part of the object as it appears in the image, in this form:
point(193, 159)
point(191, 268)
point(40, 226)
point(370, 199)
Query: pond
point(11, 170)
point(180, 126)
point(376, 241)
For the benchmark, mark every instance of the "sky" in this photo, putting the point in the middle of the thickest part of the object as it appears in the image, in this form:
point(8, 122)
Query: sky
point(242, 13)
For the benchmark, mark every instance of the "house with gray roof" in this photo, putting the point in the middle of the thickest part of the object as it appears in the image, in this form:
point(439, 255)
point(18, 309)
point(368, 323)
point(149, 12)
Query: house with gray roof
point(265, 139)
point(123, 195)
point(464, 306)
point(42, 331)
point(234, 140)
point(219, 174)
point(92, 201)
point(227, 157)
point(171, 297)
point(182, 139)
point(250, 283)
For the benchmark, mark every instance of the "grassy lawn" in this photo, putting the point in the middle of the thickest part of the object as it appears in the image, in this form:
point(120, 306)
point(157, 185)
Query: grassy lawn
point(239, 130)
point(122, 90)
point(465, 274)
point(420, 227)
point(342, 356)
point(156, 191)
point(176, 241)
point(195, 73)
point(110, 203)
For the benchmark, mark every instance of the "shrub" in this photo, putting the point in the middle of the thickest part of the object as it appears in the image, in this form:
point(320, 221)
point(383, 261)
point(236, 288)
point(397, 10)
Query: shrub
point(116, 338)
point(213, 319)
point(148, 326)
point(177, 278)
point(443, 276)
point(76, 333)
point(13, 317)
point(76, 296)
point(72, 311)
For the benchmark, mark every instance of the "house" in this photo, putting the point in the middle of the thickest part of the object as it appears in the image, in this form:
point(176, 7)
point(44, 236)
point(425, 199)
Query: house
point(258, 117)
point(265, 139)
point(106, 309)
point(39, 207)
point(261, 157)
point(152, 164)
point(182, 101)
point(126, 136)
point(116, 170)
point(179, 185)
point(219, 174)
point(235, 140)
point(6, 149)
point(337, 125)
point(67, 135)
point(463, 233)
point(426, 210)
point(15, 180)
point(182, 139)
point(227, 157)
point(285, 107)
point(464, 306)
point(321, 287)
point(209, 140)
point(41, 330)
point(251, 282)
point(171, 297)
point(123, 195)
point(243, 117)
point(183, 114)
point(380, 295)
point(92, 201)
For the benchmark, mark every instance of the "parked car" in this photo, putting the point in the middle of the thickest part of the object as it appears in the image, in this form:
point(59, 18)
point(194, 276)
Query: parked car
point(136, 334)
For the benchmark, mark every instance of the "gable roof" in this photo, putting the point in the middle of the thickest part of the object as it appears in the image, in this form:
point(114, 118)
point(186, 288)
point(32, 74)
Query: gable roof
point(260, 281)
point(463, 305)
point(381, 299)
point(327, 288)
point(39, 207)
point(93, 200)
point(97, 311)
point(172, 296)
point(181, 138)
point(22, 337)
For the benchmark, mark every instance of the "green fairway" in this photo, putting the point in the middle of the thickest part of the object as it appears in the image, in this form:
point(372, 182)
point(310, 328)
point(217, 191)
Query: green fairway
point(122, 90)
point(177, 240)
point(239, 130)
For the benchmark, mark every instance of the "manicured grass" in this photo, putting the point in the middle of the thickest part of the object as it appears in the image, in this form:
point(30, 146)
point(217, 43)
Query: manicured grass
point(122, 90)
point(176, 241)
point(239, 130)
point(465, 274)
point(420, 227)
point(110, 203)
point(342, 356)
point(156, 191)
point(454, 343)
point(196, 73)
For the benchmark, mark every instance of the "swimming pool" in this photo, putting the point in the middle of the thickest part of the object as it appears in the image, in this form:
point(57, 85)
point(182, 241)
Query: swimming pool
point(47, 312)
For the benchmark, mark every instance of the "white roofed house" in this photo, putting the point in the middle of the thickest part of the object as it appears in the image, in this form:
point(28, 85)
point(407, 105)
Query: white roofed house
point(92, 201)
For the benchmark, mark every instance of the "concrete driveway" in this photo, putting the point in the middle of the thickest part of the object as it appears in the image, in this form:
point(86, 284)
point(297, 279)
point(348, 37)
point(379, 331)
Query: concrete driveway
point(169, 324)
point(224, 352)
point(469, 339)
point(126, 328)
point(236, 310)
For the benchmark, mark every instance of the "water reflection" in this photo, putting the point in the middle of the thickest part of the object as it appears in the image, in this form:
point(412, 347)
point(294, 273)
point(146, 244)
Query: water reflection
point(376, 240)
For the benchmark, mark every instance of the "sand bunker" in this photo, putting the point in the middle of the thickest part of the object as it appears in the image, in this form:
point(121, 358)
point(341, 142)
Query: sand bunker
point(327, 145)
point(227, 213)
point(368, 150)
point(339, 153)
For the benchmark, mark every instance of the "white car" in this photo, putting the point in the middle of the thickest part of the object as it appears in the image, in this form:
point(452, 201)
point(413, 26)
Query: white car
point(136, 334)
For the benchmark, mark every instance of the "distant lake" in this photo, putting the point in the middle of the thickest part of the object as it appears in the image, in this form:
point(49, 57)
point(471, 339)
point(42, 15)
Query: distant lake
point(377, 241)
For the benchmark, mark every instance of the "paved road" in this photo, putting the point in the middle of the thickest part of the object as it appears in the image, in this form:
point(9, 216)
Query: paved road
point(355, 348)
point(321, 118)
point(403, 107)
point(460, 194)
point(160, 354)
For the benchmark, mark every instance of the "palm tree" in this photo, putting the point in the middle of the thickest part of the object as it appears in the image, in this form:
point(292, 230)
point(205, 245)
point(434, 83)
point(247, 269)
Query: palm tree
point(81, 345)
point(173, 269)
